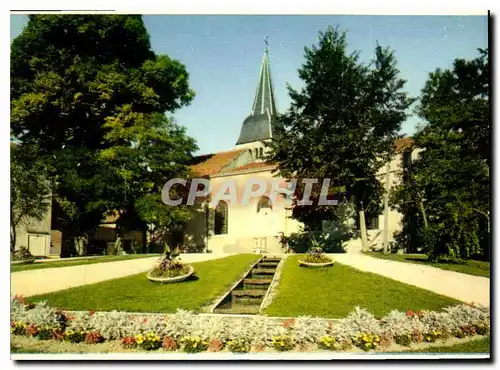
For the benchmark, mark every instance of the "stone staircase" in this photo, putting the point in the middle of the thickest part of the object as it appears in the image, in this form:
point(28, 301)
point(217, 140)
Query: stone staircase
point(247, 297)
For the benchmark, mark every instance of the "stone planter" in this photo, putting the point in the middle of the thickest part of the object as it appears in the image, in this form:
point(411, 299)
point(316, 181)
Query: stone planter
point(310, 264)
point(171, 280)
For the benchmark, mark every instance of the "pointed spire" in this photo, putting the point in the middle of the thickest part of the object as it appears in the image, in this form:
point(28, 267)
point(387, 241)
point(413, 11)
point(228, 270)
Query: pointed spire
point(258, 125)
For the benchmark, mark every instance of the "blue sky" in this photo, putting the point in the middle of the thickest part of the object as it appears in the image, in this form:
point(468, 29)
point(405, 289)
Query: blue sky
point(223, 56)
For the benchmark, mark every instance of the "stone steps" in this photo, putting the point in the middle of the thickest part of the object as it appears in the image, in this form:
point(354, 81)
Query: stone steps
point(247, 297)
point(249, 293)
point(256, 283)
point(239, 309)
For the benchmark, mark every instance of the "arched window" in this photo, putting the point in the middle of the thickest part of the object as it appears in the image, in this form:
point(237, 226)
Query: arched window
point(220, 218)
point(264, 203)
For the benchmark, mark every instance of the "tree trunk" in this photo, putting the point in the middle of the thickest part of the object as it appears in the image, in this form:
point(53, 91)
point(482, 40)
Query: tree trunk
point(362, 226)
point(144, 240)
point(13, 235)
point(68, 244)
point(386, 206)
point(422, 209)
point(118, 247)
point(81, 245)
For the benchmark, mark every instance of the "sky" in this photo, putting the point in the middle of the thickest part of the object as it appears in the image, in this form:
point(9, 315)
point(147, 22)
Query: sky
point(223, 54)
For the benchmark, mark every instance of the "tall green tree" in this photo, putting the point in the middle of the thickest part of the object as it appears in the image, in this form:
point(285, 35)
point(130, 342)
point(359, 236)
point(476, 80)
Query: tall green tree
point(30, 188)
point(450, 180)
point(89, 90)
point(341, 125)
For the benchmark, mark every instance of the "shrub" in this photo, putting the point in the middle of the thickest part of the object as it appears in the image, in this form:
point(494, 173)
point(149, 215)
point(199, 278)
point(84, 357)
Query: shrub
point(169, 344)
point(46, 332)
point(482, 328)
point(18, 327)
point(330, 242)
point(366, 341)
point(327, 342)
point(403, 339)
point(129, 342)
point(170, 266)
point(22, 254)
point(149, 341)
point(93, 337)
point(75, 336)
point(215, 345)
point(307, 330)
point(238, 345)
point(194, 344)
point(32, 330)
point(282, 343)
point(433, 336)
point(315, 255)
point(358, 322)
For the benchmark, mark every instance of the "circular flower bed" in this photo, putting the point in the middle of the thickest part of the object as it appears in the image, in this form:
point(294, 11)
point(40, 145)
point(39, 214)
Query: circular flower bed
point(326, 262)
point(316, 258)
point(170, 276)
point(170, 269)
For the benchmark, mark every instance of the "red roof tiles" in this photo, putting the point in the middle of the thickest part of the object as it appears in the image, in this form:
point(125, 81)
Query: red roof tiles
point(210, 164)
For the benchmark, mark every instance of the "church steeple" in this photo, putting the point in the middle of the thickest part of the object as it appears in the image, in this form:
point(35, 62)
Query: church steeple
point(258, 125)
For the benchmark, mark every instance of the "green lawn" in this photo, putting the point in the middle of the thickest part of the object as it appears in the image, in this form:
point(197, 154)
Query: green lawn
point(137, 294)
point(474, 346)
point(470, 267)
point(336, 291)
point(83, 261)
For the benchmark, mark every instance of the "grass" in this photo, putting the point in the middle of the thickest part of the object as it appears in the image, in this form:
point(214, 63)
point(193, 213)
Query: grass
point(470, 267)
point(473, 346)
point(137, 294)
point(335, 292)
point(83, 261)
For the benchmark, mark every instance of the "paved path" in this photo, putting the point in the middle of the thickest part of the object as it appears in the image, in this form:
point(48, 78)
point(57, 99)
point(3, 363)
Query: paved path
point(463, 287)
point(41, 281)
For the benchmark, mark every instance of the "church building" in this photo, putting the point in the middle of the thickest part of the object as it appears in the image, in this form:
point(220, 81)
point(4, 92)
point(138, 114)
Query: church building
point(257, 226)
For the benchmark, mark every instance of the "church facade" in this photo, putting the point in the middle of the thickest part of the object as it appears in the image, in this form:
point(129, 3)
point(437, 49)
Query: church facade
point(230, 227)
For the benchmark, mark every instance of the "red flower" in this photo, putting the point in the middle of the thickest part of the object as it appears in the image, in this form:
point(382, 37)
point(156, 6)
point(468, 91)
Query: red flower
point(128, 341)
point(91, 312)
point(410, 313)
point(57, 334)
point(20, 298)
point(93, 337)
point(288, 323)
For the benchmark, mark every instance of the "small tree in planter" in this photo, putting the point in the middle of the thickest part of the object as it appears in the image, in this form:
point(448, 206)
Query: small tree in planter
point(170, 268)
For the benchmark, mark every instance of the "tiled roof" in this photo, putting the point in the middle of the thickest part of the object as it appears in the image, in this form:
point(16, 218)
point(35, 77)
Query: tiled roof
point(210, 164)
point(403, 143)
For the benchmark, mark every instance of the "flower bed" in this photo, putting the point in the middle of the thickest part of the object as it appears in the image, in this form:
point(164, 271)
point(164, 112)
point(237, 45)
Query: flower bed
point(185, 272)
point(315, 258)
point(170, 269)
point(188, 332)
point(316, 264)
